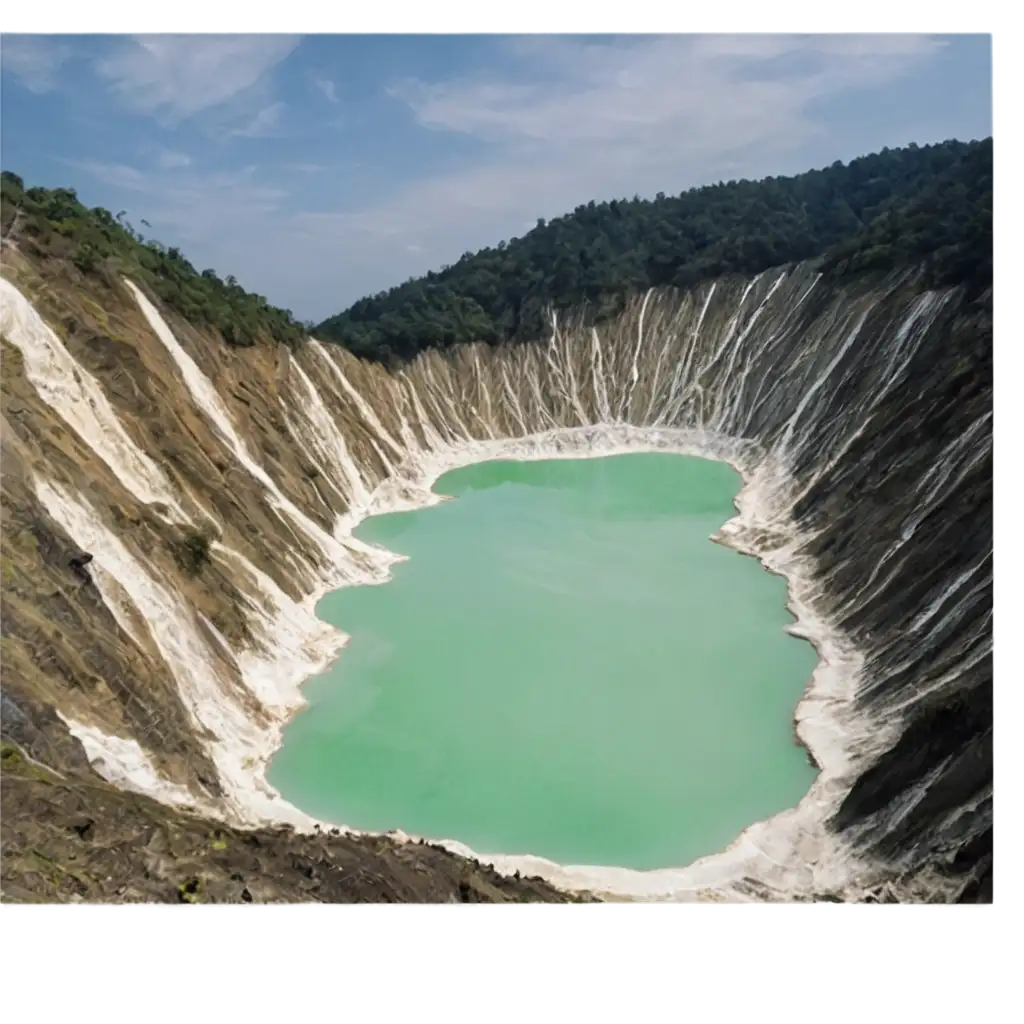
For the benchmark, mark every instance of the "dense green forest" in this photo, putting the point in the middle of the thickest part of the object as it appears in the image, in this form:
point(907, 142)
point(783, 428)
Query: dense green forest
point(53, 223)
point(946, 227)
point(920, 204)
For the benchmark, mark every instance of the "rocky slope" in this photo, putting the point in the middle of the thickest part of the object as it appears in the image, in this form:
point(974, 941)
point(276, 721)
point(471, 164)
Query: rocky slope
point(215, 489)
point(71, 837)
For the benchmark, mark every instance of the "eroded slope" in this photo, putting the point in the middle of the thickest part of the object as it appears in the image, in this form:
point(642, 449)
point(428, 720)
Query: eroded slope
point(215, 488)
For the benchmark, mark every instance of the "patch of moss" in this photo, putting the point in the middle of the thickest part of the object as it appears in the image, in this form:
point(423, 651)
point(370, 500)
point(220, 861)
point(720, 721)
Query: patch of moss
point(97, 313)
point(192, 551)
point(13, 761)
point(10, 755)
point(190, 890)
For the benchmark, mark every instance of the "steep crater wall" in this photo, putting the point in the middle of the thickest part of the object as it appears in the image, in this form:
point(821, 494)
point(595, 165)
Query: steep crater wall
point(860, 418)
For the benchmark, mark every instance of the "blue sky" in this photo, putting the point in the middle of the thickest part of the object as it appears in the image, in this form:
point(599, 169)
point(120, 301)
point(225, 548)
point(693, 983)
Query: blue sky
point(318, 169)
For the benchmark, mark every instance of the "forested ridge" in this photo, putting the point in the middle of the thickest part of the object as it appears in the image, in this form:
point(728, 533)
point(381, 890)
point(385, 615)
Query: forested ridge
point(54, 224)
point(946, 227)
point(919, 205)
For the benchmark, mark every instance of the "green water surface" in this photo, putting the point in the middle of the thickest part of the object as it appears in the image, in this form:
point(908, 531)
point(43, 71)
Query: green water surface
point(566, 666)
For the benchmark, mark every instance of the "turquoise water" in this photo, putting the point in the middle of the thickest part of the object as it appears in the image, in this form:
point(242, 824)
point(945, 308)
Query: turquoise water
point(566, 666)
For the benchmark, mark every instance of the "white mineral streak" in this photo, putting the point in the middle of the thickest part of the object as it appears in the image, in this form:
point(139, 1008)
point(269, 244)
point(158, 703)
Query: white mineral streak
point(76, 396)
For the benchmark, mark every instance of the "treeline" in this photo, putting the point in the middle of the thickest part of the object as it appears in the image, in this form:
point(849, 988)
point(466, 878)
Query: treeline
point(53, 224)
point(946, 228)
point(919, 203)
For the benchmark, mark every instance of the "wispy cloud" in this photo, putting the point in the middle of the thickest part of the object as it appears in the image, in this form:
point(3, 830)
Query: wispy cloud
point(614, 118)
point(34, 60)
point(725, 90)
point(453, 160)
point(176, 77)
point(263, 124)
point(326, 86)
point(168, 159)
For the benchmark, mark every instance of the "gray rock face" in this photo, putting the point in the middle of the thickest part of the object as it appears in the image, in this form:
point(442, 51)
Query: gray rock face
point(906, 529)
